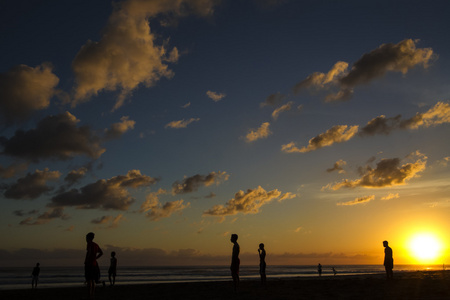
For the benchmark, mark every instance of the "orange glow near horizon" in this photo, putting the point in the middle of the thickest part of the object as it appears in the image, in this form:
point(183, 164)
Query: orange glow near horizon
point(425, 248)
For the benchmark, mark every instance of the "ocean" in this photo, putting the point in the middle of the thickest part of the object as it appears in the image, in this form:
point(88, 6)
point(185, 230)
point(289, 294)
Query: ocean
point(20, 278)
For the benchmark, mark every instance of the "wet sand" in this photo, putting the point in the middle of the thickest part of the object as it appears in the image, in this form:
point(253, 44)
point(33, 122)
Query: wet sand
point(406, 285)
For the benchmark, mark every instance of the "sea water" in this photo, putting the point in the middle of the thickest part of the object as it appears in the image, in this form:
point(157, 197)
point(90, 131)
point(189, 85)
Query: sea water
point(20, 278)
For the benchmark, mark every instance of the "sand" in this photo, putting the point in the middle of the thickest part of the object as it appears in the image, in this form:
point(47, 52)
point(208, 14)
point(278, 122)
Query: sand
point(406, 285)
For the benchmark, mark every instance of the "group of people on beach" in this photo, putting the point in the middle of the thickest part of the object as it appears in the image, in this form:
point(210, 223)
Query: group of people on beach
point(93, 252)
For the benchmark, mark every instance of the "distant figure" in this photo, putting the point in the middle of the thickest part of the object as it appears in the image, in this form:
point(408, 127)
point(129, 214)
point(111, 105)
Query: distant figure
point(262, 263)
point(112, 269)
point(235, 262)
point(334, 271)
point(91, 269)
point(35, 276)
point(319, 269)
point(388, 260)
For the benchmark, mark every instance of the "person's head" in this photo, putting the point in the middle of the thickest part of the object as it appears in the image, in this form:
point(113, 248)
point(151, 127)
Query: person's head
point(385, 243)
point(261, 246)
point(113, 254)
point(38, 264)
point(90, 236)
point(234, 237)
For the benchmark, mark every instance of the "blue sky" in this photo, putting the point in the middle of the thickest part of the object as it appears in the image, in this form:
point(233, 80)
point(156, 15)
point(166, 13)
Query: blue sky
point(317, 127)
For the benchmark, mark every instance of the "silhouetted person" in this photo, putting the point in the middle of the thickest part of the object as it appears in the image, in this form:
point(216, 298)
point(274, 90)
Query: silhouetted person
point(334, 271)
point(112, 269)
point(262, 263)
point(35, 276)
point(319, 269)
point(91, 268)
point(388, 260)
point(235, 262)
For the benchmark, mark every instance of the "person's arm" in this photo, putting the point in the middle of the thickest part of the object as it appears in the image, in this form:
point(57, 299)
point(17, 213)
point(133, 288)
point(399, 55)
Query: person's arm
point(100, 253)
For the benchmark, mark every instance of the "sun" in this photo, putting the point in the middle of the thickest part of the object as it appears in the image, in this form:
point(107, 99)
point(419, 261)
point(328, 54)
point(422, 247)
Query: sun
point(425, 248)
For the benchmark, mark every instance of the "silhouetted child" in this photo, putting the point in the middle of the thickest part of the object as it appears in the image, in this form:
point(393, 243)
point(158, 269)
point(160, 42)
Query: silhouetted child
point(91, 268)
point(235, 262)
point(112, 269)
point(262, 263)
point(334, 271)
point(35, 276)
point(319, 269)
point(388, 260)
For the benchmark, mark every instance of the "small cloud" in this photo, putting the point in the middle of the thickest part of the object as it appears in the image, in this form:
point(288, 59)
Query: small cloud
point(109, 221)
point(54, 213)
point(191, 184)
point(361, 200)
point(391, 196)
point(12, 170)
point(186, 105)
point(215, 96)
point(273, 99)
point(336, 134)
point(181, 123)
point(338, 166)
point(118, 129)
point(75, 176)
point(260, 133)
point(33, 185)
point(286, 107)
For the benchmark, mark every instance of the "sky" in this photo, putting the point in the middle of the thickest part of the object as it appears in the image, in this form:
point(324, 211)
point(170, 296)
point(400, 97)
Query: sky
point(319, 128)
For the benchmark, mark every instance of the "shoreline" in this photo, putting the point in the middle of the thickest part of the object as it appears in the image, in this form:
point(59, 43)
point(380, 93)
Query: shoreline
point(406, 285)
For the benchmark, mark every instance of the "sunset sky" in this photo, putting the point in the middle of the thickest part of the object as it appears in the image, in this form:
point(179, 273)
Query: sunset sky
point(319, 128)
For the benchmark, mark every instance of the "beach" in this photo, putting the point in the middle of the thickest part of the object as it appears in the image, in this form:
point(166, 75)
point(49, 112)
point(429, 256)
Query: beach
point(406, 285)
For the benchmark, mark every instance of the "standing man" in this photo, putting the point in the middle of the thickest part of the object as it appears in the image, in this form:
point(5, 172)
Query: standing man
point(91, 269)
point(35, 276)
point(319, 269)
point(235, 262)
point(262, 263)
point(388, 260)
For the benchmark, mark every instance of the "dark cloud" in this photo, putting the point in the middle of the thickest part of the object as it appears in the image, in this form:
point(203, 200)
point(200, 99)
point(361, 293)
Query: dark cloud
point(159, 211)
point(24, 89)
point(273, 100)
point(55, 137)
point(32, 185)
point(192, 184)
point(339, 83)
point(104, 194)
point(109, 221)
point(46, 217)
point(75, 176)
point(436, 115)
point(21, 213)
point(338, 166)
point(12, 170)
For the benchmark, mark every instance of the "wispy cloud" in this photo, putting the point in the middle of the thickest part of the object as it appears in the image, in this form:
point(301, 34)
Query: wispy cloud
point(273, 99)
point(262, 132)
point(391, 196)
point(286, 107)
point(181, 123)
point(109, 221)
point(215, 96)
point(361, 200)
